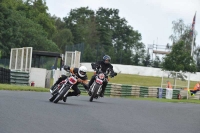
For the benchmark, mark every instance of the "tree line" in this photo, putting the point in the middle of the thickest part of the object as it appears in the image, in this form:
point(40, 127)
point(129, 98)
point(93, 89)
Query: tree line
point(27, 23)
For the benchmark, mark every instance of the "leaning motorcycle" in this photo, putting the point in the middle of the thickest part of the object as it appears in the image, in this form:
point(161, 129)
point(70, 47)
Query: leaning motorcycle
point(63, 88)
point(96, 88)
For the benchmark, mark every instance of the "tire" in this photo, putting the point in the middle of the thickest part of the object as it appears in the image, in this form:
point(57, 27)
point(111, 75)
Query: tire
point(59, 96)
point(52, 98)
point(54, 94)
point(96, 87)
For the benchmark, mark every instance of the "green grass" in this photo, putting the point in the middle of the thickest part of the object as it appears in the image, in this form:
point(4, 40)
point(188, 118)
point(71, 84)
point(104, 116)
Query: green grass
point(22, 88)
point(165, 100)
point(148, 81)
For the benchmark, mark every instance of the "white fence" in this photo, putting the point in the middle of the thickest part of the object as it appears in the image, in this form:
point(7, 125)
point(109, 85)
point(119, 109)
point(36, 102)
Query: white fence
point(139, 70)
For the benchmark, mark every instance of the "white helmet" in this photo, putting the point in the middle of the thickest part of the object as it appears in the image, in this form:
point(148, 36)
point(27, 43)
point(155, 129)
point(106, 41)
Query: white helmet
point(82, 71)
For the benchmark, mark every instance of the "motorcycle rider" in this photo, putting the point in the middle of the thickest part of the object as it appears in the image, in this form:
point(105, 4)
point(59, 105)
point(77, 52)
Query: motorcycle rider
point(103, 65)
point(82, 78)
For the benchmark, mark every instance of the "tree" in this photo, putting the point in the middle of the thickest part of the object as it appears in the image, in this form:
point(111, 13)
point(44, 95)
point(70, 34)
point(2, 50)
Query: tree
point(89, 55)
point(178, 30)
point(36, 10)
point(59, 24)
point(19, 31)
point(106, 30)
point(197, 58)
point(156, 62)
point(182, 32)
point(77, 22)
point(136, 59)
point(146, 61)
point(114, 31)
point(63, 38)
point(179, 59)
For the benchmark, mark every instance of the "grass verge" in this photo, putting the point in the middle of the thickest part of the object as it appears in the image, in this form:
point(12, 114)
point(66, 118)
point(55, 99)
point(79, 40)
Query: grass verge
point(22, 88)
point(164, 100)
point(148, 81)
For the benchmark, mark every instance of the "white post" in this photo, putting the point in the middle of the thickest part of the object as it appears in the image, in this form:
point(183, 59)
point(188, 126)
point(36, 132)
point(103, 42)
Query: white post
point(162, 80)
point(175, 81)
point(72, 64)
point(65, 58)
point(75, 58)
point(31, 51)
point(10, 59)
point(16, 59)
point(22, 59)
point(26, 62)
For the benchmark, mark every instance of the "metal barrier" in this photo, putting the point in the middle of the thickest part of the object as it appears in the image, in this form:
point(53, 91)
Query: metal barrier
point(176, 93)
point(121, 90)
point(19, 78)
point(4, 75)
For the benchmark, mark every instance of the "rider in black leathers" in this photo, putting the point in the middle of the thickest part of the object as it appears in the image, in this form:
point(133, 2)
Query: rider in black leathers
point(103, 65)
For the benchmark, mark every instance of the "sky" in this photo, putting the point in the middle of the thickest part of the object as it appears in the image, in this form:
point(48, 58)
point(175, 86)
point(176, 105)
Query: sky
point(152, 18)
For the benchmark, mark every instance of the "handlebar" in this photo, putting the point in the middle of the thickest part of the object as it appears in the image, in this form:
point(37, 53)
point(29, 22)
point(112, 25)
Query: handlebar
point(70, 74)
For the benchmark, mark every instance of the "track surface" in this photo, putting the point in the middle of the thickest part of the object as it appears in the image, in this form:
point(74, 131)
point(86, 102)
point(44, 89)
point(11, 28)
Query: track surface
point(31, 112)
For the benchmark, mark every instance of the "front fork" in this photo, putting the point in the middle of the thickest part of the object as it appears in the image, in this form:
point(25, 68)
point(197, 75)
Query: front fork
point(63, 87)
point(92, 88)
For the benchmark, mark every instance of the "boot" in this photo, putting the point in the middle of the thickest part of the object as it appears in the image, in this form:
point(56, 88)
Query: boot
point(64, 99)
point(102, 93)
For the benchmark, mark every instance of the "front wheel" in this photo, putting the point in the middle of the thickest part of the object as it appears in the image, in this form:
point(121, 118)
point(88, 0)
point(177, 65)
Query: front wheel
point(96, 88)
point(61, 95)
point(52, 98)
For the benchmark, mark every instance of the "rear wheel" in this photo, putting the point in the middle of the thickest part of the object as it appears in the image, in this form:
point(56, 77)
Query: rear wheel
point(96, 87)
point(62, 93)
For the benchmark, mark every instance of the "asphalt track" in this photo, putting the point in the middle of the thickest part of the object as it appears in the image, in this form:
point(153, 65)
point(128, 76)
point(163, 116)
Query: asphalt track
point(31, 112)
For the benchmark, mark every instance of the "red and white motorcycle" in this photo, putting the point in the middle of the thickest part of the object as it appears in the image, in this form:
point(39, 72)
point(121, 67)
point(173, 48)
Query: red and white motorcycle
point(63, 88)
point(96, 88)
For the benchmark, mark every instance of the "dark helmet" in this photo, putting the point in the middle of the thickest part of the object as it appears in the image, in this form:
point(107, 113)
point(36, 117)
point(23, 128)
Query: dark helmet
point(66, 68)
point(106, 57)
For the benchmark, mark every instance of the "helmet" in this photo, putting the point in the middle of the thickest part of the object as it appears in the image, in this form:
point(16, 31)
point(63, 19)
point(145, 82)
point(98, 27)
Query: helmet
point(82, 71)
point(66, 68)
point(106, 59)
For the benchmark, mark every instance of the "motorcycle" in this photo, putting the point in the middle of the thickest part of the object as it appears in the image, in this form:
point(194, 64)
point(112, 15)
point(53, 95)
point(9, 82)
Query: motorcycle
point(96, 88)
point(63, 88)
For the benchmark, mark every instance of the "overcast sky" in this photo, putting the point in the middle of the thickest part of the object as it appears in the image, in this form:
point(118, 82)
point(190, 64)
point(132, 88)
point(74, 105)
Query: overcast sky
point(152, 18)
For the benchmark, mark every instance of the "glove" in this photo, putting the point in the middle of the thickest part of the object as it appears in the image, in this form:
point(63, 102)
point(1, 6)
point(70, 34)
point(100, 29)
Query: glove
point(113, 74)
point(79, 80)
point(93, 66)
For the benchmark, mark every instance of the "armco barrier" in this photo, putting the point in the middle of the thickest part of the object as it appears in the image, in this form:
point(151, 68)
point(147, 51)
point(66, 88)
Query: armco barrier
point(152, 92)
point(126, 90)
point(19, 78)
point(144, 92)
point(4, 75)
point(134, 90)
point(116, 89)
point(196, 96)
point(176, 93)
